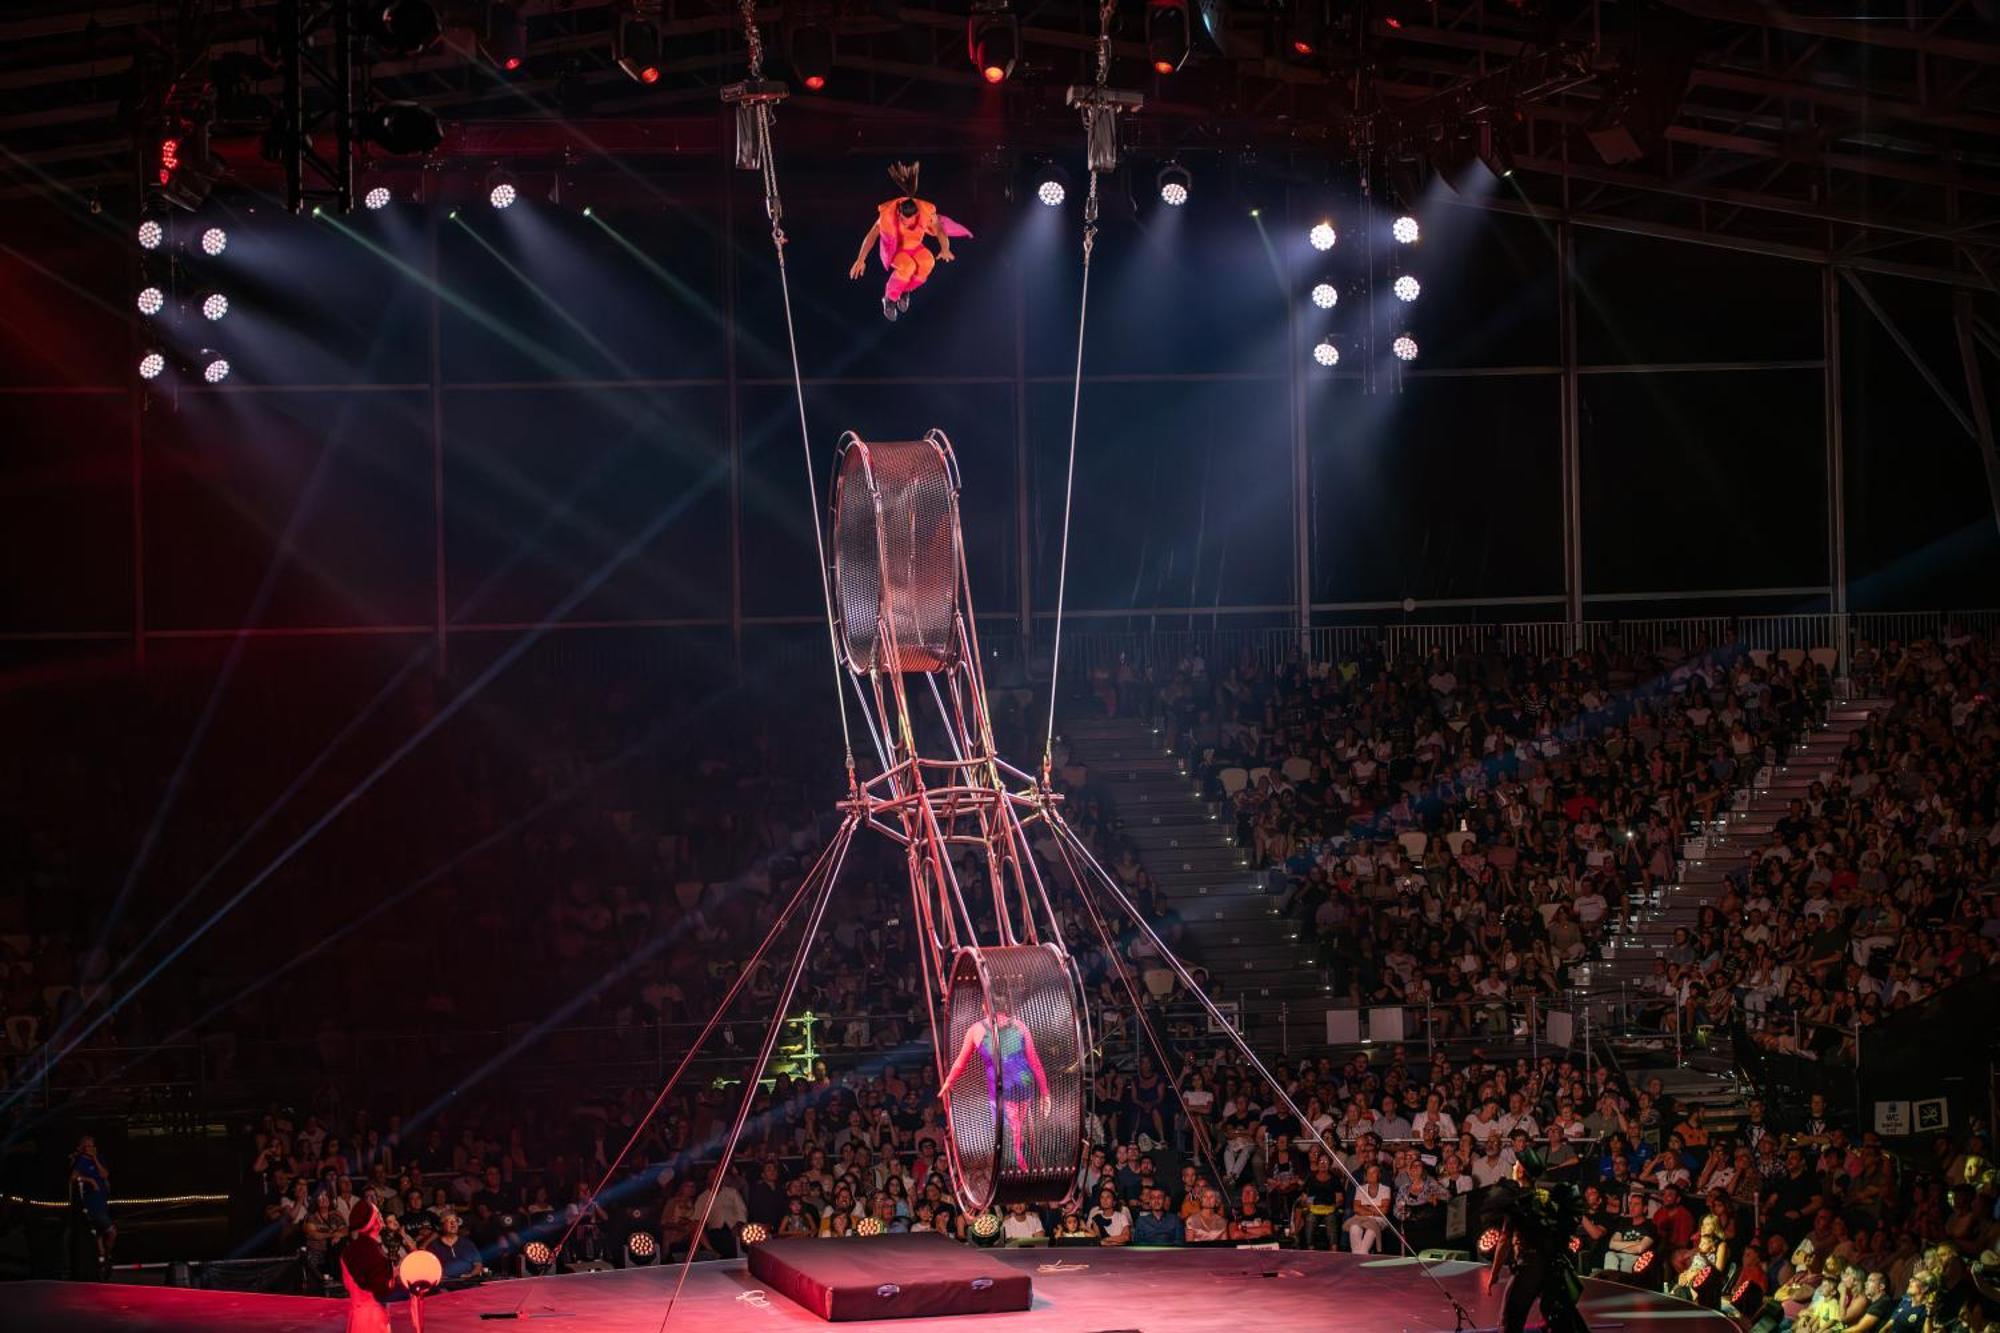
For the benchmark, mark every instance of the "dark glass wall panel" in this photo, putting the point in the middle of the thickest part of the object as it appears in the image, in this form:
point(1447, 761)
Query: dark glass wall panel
point(1703, 480)
point(1640, 300)
point(586, 504)
point(317, 504)
point(66, 513)
point(1448, 489)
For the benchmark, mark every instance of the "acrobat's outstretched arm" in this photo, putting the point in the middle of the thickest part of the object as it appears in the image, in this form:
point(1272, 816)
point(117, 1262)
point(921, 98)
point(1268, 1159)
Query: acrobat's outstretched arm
point(867, 244)
point(972, 1034)
point(943, 234)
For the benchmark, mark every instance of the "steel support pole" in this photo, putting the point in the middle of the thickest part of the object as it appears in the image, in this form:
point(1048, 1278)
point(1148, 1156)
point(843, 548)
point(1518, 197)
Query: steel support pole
point(1301, 456)
point(1836, 464)
point(1024, 499)
point(440, 661)
point(1572, 453)
point(733, 414)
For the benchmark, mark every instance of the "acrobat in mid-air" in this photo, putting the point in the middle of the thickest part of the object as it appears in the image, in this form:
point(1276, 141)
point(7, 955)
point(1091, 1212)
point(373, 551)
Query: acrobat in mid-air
point(899, 237)
point(1014, 1076)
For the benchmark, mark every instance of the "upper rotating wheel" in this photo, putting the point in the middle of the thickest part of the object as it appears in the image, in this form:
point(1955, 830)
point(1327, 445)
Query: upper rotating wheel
point(896, 553)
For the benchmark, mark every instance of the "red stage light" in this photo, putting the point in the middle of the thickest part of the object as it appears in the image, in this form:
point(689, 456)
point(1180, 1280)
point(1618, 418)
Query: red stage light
point(512, 63)
point(815, 81)
point(994, 73)
point(170, 153)
point(1302, 48)
point(1393, 22)
point(650, 74)
point(1163, 66)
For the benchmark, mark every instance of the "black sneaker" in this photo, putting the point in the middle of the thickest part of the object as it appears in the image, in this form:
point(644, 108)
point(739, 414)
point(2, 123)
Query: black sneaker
point(890, 309)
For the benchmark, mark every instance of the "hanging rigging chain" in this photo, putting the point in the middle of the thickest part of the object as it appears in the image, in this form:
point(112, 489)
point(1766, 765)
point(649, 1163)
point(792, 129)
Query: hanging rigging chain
point(752, 38)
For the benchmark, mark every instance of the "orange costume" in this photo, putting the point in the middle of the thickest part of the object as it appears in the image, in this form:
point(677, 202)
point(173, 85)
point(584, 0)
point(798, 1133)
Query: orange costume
point(901, 226)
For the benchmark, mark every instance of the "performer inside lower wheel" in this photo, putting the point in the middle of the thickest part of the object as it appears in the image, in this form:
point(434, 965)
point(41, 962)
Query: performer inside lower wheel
point(1014, 1076)
point(1536, 1220)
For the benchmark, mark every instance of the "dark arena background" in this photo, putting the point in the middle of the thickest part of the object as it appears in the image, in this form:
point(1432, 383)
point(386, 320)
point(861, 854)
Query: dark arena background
point(1388, 676)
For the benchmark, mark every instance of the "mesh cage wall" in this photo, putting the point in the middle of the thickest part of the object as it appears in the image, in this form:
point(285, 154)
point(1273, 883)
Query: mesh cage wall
point(915, 542)
point(1035, 985)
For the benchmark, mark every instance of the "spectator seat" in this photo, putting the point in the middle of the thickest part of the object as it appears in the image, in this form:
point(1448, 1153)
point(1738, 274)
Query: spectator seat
point(1792, 657)
point(1825, 656)
point(1297, 769)
point(1414, 843)
point(1233, 780)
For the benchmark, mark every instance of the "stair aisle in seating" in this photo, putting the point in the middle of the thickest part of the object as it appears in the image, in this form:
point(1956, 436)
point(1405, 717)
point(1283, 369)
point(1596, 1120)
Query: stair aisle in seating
point(1711, 855)
point(1229, 910)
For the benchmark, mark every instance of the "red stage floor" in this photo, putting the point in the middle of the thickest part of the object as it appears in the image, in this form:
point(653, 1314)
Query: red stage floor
point(1094, 1291)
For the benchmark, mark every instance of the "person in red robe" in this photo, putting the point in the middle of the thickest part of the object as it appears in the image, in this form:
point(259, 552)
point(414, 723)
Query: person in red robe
point(364, 1268)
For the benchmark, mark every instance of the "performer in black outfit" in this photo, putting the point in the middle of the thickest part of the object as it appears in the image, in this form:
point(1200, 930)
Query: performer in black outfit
point(1536, 1221)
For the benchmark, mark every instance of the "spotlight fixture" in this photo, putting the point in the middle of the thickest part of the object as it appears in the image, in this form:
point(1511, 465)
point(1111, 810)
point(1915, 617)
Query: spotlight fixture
point(1326, 296)
point(1494, 152)
point(868, 1226)
point(506, 40)
point(1168, 37)
point(151, 234)
point(501, 191)
point(402, 127)
point(151, 300)
point(214, 306)
point(1051, 184)
point(1326, 353)
point(538, 1256)
point(1489, 1240)
point(1051, 192)
point(642, 1248)
point(636, 48)
point(993, 39)
point(1175, 184)
point(152, 364)
point(1405, 230)
point(214, 367)
point(1406, 288)
point(401, 27)
point(214, 241)
point(376, 199)
point(809, 47)
point(1322, 236)
point(1405, 347)
point(753, 1233)
point(1303, 29)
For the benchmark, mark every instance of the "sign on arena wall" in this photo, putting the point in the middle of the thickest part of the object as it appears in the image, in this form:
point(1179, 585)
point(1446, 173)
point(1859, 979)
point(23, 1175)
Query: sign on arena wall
point(1892, 1118)
point(1933, 1114)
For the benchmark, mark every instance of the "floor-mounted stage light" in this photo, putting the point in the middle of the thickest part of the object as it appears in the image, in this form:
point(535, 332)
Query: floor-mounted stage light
point(501, 189)
point(151, 234)
point(1175, 184)
point(1405, 230)
point(1322, 236)
point(402, 127)
point(1168, 37)
point(993, 39)
point(506, 38)
point(809, 47)
point(753, 1233)
point(641, 1249)
point(1326, 296)
point(636, 48)
point(214, 366)
point(214, 306)
point(1407, 288)
point(1326, 354)
point(401, 27)
point(537, 1256)
point(152, 364)
point(1405, 347)
point(214, 241)
point(151, 300)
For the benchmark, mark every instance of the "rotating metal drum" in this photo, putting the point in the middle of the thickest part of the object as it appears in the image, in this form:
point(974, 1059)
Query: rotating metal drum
point(896, 553)
point(1015, 1114)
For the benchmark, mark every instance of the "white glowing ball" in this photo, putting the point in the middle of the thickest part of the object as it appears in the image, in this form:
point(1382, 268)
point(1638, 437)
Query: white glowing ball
point(1407, 288)
point(1326, 296)
point(1326, 353)
point(421, 1271)
point(1322, 236)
